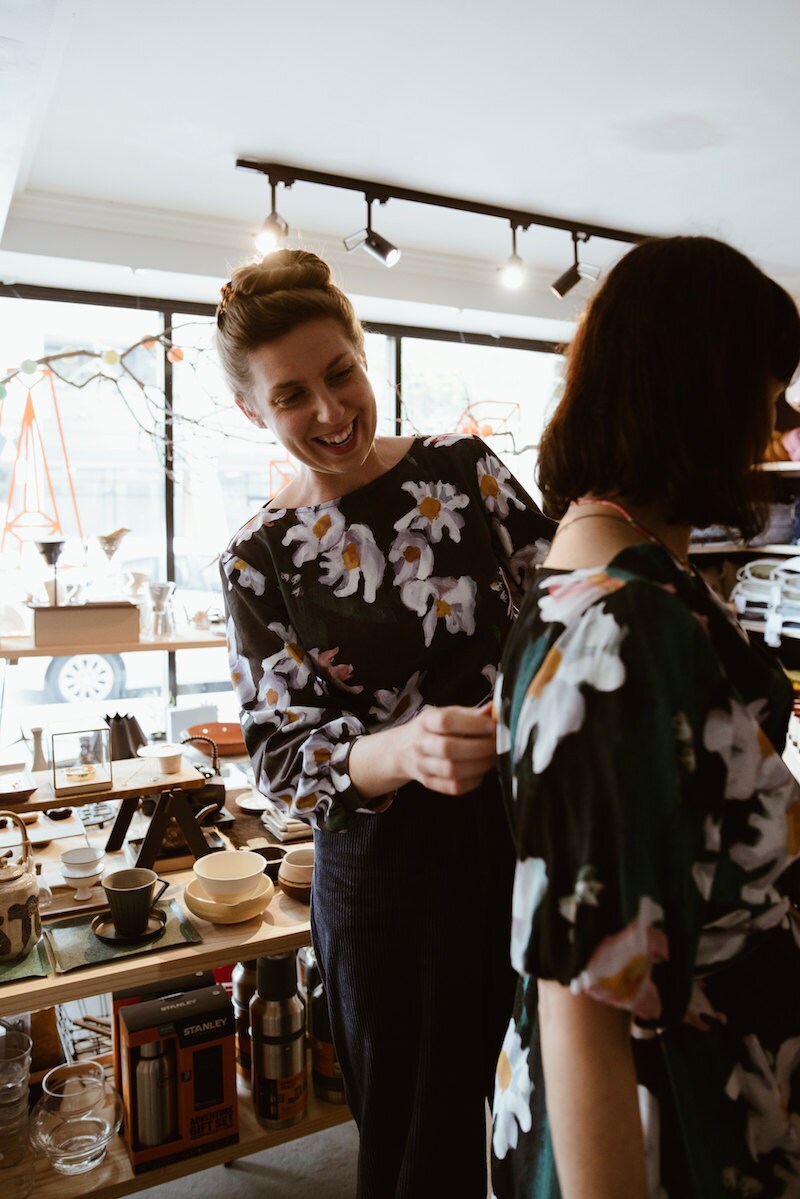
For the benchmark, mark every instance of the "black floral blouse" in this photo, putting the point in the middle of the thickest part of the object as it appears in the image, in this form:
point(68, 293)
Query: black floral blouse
point(641, 737)
point(351, 616)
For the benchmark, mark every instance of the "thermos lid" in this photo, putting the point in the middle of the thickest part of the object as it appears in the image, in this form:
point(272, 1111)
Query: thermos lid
point(151, 1049)
point(276, 976)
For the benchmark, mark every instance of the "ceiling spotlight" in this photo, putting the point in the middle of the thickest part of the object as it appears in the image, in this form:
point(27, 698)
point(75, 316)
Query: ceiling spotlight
point(573, 274)
point(273, 232)
point(512, 274)
point(367, 239)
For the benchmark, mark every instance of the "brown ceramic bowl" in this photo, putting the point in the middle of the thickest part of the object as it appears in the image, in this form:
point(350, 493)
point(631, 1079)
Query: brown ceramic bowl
point(299, 891)
point(227, 738)
point(273, 855)
point(296, 871)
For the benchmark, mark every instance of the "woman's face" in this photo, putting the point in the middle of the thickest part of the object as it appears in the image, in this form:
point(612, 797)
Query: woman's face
point(310, 388)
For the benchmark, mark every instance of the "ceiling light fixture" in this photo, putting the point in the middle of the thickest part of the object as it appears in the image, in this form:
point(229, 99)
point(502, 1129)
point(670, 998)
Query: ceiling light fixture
point(383, 250)
point(512, 273)
point(273, 232)
point(367, 239)
point(573, 274)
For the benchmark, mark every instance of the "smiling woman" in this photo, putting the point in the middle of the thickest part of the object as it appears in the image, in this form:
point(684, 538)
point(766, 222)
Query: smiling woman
point(368, 604)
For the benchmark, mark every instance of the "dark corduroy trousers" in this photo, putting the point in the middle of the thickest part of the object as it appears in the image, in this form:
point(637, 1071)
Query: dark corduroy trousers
point(411, 916)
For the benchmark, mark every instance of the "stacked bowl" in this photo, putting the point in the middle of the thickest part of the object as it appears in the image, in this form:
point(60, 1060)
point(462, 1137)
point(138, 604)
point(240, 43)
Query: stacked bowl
point(229, 886)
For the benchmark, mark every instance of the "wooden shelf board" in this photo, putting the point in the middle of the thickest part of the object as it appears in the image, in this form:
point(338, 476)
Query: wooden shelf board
point(114, 1177)
point(284, 925)
point(132, 777)
point(14, 648)
point(780, 468)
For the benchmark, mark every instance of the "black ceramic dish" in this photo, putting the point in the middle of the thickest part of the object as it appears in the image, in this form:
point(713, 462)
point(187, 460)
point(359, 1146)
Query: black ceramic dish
point(103, 928)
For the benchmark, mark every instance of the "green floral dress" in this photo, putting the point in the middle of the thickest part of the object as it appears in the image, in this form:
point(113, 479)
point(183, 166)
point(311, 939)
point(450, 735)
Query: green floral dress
point(656, 825)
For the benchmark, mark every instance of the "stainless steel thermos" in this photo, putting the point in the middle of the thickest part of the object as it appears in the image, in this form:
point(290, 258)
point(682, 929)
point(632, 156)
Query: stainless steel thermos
point(243, 980)
point(277, 1036)
point(156, 1096)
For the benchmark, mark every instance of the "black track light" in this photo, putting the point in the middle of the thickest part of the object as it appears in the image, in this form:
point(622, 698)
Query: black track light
point(273, 232)
point(367, 239)
point(573, 274)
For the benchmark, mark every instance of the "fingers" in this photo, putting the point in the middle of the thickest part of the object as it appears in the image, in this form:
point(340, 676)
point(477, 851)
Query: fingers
point(458, 721)
point(454, 748)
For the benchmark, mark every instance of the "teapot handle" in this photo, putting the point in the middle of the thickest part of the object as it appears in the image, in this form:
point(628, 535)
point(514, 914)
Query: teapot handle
point(26, 842)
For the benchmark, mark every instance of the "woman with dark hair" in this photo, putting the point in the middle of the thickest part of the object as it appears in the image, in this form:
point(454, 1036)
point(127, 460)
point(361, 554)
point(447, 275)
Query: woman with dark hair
point(368, 606)
point(655, 1047)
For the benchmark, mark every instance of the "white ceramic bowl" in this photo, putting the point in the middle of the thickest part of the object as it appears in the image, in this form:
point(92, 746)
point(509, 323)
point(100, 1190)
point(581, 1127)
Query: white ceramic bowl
point(83, 883)
point(166, 756)
point(230, 874)
point(200, 905)
point(81, 862)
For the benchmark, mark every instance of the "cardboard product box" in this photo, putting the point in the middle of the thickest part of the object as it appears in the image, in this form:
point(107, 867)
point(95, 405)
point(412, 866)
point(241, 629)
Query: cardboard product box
point(178, 1077)
point(100, 625)
point(154, 990)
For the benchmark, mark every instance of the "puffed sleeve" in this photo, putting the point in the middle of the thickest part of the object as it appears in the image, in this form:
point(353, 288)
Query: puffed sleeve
point(298, 737)
point(618, 801)
point(521, 534)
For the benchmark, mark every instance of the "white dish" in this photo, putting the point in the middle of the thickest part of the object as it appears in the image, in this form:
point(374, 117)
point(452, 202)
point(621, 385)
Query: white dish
point(82, 862)
point(228, 913)
point(252, 803)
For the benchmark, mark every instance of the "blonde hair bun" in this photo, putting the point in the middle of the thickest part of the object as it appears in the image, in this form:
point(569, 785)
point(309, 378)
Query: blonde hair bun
point(283, 270)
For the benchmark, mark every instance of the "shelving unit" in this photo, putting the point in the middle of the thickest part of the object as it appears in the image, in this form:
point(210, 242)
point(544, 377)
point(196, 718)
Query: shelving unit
point(284, 925)
point(737, 547)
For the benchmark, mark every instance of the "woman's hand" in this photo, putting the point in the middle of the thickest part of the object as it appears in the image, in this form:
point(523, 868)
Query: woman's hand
point(448, 750)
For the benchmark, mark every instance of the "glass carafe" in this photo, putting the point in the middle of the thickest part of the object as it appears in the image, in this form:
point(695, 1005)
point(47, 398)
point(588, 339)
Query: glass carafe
point(163, 621)
point(76, 1118)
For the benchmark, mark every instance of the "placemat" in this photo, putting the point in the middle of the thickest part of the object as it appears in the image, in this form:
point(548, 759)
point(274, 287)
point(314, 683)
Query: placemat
point(73, 944)
point(35, 965)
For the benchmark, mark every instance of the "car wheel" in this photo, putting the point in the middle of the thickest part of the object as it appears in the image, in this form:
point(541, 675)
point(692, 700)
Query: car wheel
point(85, 677)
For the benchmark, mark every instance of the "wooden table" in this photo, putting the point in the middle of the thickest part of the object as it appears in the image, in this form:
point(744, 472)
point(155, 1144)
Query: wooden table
point(132, 778)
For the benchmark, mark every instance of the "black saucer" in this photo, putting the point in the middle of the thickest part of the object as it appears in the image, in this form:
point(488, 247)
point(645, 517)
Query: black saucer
point(103, 927)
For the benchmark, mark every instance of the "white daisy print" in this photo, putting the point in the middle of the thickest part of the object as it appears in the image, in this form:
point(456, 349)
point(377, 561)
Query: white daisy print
point(411, 556)
point(493, 486)
point(752, 763)
point(443, 439)
point(272, 692)
point(530, 887)
point(241, 674)
point(450, 600)
point(587, 891)
point(261, 520)
point(512, 1094)
point(765, 1086)
point(587, 653)
point(248, 576)
point(315, 532)
point(291, 659)
point(354, 557)
point(399, 705)
point(339, 674)
point(777, 843)
point(565, 597)
point(436, 510)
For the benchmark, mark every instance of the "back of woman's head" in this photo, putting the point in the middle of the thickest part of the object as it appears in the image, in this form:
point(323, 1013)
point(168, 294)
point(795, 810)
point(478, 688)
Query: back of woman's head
point(265, 300)
point(666, 393)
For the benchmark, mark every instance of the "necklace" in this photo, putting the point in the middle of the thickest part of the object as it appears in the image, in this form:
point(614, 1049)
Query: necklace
point(620, 513)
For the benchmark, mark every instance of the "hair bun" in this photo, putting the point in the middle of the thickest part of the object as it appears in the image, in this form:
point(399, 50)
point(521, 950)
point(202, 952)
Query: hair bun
point(283, 270)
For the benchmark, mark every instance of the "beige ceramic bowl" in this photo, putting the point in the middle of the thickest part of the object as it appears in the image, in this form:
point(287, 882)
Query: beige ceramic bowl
point(229, 875)
point(200, 905)
point(296, 872)
point(164, 756)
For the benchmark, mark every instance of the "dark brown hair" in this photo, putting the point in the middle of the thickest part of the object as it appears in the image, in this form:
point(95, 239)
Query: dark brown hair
point(265, 300)
point(665, 397)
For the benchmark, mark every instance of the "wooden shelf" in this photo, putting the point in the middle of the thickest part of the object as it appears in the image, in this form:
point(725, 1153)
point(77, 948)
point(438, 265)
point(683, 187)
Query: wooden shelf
point(792, 469)
point(14, 648)
point(114, 1177)
point(284, 925)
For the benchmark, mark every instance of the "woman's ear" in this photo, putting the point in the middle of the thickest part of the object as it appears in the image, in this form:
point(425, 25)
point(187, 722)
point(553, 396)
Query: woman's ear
point(243, 406)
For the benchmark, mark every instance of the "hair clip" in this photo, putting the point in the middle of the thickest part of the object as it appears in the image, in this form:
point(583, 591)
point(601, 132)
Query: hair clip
point(226, 294)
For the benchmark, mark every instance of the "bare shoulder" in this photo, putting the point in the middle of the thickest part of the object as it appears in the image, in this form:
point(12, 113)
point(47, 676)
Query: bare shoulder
point(391, 450)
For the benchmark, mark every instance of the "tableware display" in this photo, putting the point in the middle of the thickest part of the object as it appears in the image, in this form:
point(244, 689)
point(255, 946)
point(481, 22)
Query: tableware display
point(216, 912)
point(162, 617)
point(103, 927)
point(16, 783)
point(230, 874)
point(51, 552)
point(77, 1116)
point(250, 802)
point(228, 738)
point(19, 898)
point(273, 855)
point(296, 873)
point(164, 754)
point(131, 895)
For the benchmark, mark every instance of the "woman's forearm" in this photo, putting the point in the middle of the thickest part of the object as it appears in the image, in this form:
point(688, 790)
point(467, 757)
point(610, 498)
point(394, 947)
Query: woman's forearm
point(592, 1102)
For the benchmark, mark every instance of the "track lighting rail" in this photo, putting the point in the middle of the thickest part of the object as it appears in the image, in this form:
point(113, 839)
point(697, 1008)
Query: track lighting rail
point(278, 172)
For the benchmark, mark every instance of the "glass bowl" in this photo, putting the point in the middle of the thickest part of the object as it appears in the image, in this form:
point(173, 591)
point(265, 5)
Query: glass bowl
point(78, 1114)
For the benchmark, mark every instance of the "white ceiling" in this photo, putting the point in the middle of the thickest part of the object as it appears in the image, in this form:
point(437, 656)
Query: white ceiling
point(121, 120)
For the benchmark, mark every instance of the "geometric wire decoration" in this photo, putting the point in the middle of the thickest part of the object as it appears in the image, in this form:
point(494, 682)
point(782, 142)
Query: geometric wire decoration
point(32, 509)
